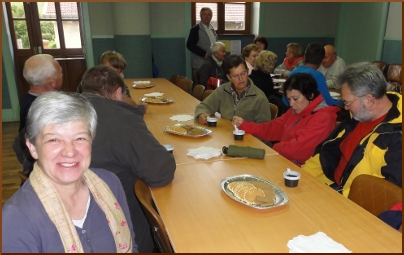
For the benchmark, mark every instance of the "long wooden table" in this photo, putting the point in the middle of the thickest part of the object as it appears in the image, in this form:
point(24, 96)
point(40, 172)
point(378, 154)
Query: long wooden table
point(222, 135)
point(183, 101)
point(200, 217)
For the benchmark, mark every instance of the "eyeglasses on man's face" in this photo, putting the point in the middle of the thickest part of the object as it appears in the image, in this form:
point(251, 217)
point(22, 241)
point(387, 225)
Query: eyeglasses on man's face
point(237, 76)
point(348, 103)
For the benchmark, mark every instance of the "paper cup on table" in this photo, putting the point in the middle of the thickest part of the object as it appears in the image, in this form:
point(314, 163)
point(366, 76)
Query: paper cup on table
point(212, 122)
point(238, 134)
point(291, 178)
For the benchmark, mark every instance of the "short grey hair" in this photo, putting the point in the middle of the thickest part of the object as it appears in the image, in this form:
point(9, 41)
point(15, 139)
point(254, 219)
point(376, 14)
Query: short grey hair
point(38, 69)
point(58, 108)
point(216, 46)
point(364, 78)
point(205, 9)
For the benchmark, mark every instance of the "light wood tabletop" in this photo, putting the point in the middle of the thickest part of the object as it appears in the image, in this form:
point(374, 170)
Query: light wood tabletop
point(200, 217)
point(222, 135)
point(183, 101)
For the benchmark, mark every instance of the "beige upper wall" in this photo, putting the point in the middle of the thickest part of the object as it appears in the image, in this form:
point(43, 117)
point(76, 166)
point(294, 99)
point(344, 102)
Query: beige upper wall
point(101, 18)
point(131, 18)
point(394, 21)
point(168, 19)
point(119, 18)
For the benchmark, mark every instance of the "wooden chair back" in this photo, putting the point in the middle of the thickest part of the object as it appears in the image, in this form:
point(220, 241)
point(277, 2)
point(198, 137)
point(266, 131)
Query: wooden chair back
point(173, 78)
point(185, 85)
point(206, 93)
point(197, 92)
point(381, 65)
point(179, 77)
point(274, 110)
point(394, 78)
point(195, 72)
point(23, 177)
point(374, 194)
point(144, 196)
point(394, 73)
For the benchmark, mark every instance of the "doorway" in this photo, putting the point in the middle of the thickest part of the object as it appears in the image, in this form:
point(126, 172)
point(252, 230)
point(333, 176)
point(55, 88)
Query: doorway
point(53, 28)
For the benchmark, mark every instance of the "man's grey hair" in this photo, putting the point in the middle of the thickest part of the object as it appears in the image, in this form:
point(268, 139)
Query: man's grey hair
point(205, 9)
point(38, 74)
point(59, 108)
point(216, 46)
point(364, 78)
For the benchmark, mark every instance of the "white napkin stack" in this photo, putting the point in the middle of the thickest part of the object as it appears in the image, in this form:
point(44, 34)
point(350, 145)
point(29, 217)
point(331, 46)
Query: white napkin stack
point(204, 152)
point(154, 94)
point(317, 243)
point(141, 82)
point(182, 117)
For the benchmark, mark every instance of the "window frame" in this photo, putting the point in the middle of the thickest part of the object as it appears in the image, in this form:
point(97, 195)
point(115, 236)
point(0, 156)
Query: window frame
point(221, 21)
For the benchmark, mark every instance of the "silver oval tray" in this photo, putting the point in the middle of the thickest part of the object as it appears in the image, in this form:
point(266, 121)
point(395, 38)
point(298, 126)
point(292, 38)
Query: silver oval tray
point(156, 100)
point(281, 197)
point(142, 85)
point(188, 130)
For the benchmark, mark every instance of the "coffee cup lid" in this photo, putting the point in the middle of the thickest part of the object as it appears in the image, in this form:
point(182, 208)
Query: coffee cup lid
point(211, 119)
point(291, 175)
point(239, 132)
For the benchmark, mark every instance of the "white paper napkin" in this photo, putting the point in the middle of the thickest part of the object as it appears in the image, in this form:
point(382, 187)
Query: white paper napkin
point(141, 82)
point(218, 115)
point(318, 243)
point(204, 152)
point(182, 117)
point(154, 94)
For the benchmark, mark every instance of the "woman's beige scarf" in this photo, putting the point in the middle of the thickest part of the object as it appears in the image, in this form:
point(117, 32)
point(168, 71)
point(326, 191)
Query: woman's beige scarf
point(57, 212)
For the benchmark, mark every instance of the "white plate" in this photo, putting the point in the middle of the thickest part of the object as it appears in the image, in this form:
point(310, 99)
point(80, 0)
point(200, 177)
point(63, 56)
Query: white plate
point(278, 80)
point(156, 100)
point(335, 95)
point(191, 130)
point(142, 85)
point(281, 197)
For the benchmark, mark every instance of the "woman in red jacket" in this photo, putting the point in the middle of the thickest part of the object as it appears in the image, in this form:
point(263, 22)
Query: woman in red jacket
point(304, 126)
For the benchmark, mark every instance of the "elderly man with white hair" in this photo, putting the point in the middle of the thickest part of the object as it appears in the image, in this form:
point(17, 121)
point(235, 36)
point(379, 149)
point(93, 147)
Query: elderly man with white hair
point(332, 66)
point(43, 73)
point(213, 65)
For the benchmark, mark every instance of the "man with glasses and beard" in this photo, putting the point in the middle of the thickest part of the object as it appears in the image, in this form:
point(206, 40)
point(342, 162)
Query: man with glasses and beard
point(238, 97)
point(369, 139)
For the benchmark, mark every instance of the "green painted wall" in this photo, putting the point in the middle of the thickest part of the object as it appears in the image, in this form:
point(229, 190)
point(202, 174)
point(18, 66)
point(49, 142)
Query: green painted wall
point(360, 32)
point(298, 19)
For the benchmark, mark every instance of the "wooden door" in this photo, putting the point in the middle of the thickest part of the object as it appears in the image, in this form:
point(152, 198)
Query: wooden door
point(53, 28)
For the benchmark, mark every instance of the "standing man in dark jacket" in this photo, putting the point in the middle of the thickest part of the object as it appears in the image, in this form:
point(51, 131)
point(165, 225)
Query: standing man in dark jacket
point(125, 146)
point(201, 38)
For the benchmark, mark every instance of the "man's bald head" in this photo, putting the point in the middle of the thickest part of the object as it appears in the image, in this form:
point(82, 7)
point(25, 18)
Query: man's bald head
point(43, 70)
point(330, 56)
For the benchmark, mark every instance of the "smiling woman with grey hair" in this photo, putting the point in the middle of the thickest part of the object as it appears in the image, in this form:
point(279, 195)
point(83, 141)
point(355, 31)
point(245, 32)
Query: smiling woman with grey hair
point(213, 65)
point(64, 206)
